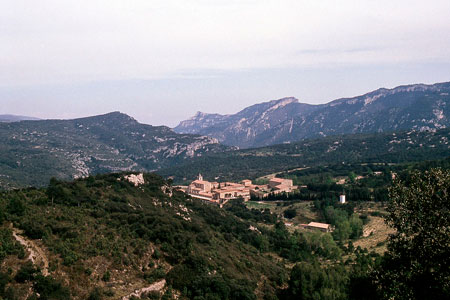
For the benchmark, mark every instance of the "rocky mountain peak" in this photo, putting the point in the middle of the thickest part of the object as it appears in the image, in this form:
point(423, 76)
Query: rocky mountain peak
point(199, 114)
point(284, 101)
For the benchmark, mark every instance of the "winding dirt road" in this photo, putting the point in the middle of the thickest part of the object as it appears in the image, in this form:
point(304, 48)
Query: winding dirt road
point(157, 286)
point(37, 255)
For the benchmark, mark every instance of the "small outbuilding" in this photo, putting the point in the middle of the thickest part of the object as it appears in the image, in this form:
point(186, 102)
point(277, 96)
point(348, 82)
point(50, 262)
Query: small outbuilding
point(319, 226)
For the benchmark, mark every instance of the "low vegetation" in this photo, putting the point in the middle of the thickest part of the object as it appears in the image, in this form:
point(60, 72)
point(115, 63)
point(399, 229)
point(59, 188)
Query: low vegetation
point(104, 238)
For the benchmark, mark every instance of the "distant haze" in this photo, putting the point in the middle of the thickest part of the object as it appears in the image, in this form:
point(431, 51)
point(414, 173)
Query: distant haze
point(161, 61)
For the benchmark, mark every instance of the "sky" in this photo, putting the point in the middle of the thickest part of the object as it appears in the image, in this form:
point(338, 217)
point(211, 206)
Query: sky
point(162, 61)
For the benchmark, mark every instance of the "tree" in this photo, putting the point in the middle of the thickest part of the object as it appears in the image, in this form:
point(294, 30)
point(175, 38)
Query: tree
point(290, 213)
point(356, 225)
point(352, 177)
point(16, 206)
point(417, 264)
point(312, 281)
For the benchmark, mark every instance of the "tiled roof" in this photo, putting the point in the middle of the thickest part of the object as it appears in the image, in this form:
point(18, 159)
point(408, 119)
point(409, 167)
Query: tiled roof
point(319, 225)
point(277, 179)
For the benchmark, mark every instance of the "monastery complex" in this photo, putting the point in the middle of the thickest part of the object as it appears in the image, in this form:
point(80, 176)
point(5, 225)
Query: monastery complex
point(220, 193)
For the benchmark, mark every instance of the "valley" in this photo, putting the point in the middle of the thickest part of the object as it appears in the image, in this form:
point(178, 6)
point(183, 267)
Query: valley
point(105, 207)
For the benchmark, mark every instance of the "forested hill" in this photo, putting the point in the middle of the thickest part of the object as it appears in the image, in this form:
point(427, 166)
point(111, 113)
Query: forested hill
point(31, 152)
point(416, 106)
point(397, 147)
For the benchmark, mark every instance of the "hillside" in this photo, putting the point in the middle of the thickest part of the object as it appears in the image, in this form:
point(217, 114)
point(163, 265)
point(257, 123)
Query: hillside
point(32, 152)
point(118, 235)
point(16, 118)
point(397, 147)
point(418, 107)
point(107, 236)
point(127, 235)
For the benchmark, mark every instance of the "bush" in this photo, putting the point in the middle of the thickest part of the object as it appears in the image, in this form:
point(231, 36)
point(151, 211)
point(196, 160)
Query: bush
point(290, 213)
point(50, 289)
point(26, 273)
point(96, 294)
point(106, 276)
point(16, 206)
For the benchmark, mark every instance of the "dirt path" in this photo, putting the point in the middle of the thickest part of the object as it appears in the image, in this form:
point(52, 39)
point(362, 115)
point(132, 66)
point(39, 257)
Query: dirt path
point(37, 255)
point(270, 176)
point(157, 286)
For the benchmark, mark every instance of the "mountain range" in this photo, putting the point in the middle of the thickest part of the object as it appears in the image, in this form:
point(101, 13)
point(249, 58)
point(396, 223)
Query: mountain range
point(32, 152)
point(418, 107)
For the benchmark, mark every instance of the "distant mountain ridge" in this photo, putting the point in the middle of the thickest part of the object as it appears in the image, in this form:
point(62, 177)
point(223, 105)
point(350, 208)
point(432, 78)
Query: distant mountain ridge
point(417, 106)
point(33, 151)
point(16, 118)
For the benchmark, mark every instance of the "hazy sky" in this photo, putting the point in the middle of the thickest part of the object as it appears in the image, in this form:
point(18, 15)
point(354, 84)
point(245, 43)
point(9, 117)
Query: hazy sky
point(161, 61)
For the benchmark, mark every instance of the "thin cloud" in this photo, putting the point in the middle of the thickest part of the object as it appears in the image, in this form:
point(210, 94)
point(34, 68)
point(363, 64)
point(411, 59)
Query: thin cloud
point(328, 51)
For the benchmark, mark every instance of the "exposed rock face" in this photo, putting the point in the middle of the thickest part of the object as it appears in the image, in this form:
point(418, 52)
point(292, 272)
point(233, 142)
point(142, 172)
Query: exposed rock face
point(244, 128)
point(419, 107)
point(137, 180)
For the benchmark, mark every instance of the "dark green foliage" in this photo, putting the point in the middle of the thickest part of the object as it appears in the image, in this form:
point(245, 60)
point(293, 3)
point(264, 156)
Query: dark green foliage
point(8, 245)
point(16, 206)
point(417, 264)
point(95, 294)
point(195, 279)
point(311, 281)
point(106, 276)
point(26, 273)
point(4, 279)
point(154, 275)
point(347, 224)
point(238, 208)
point(361, 284)
point(10, 294)
point(50, 289)
point(290, 213)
